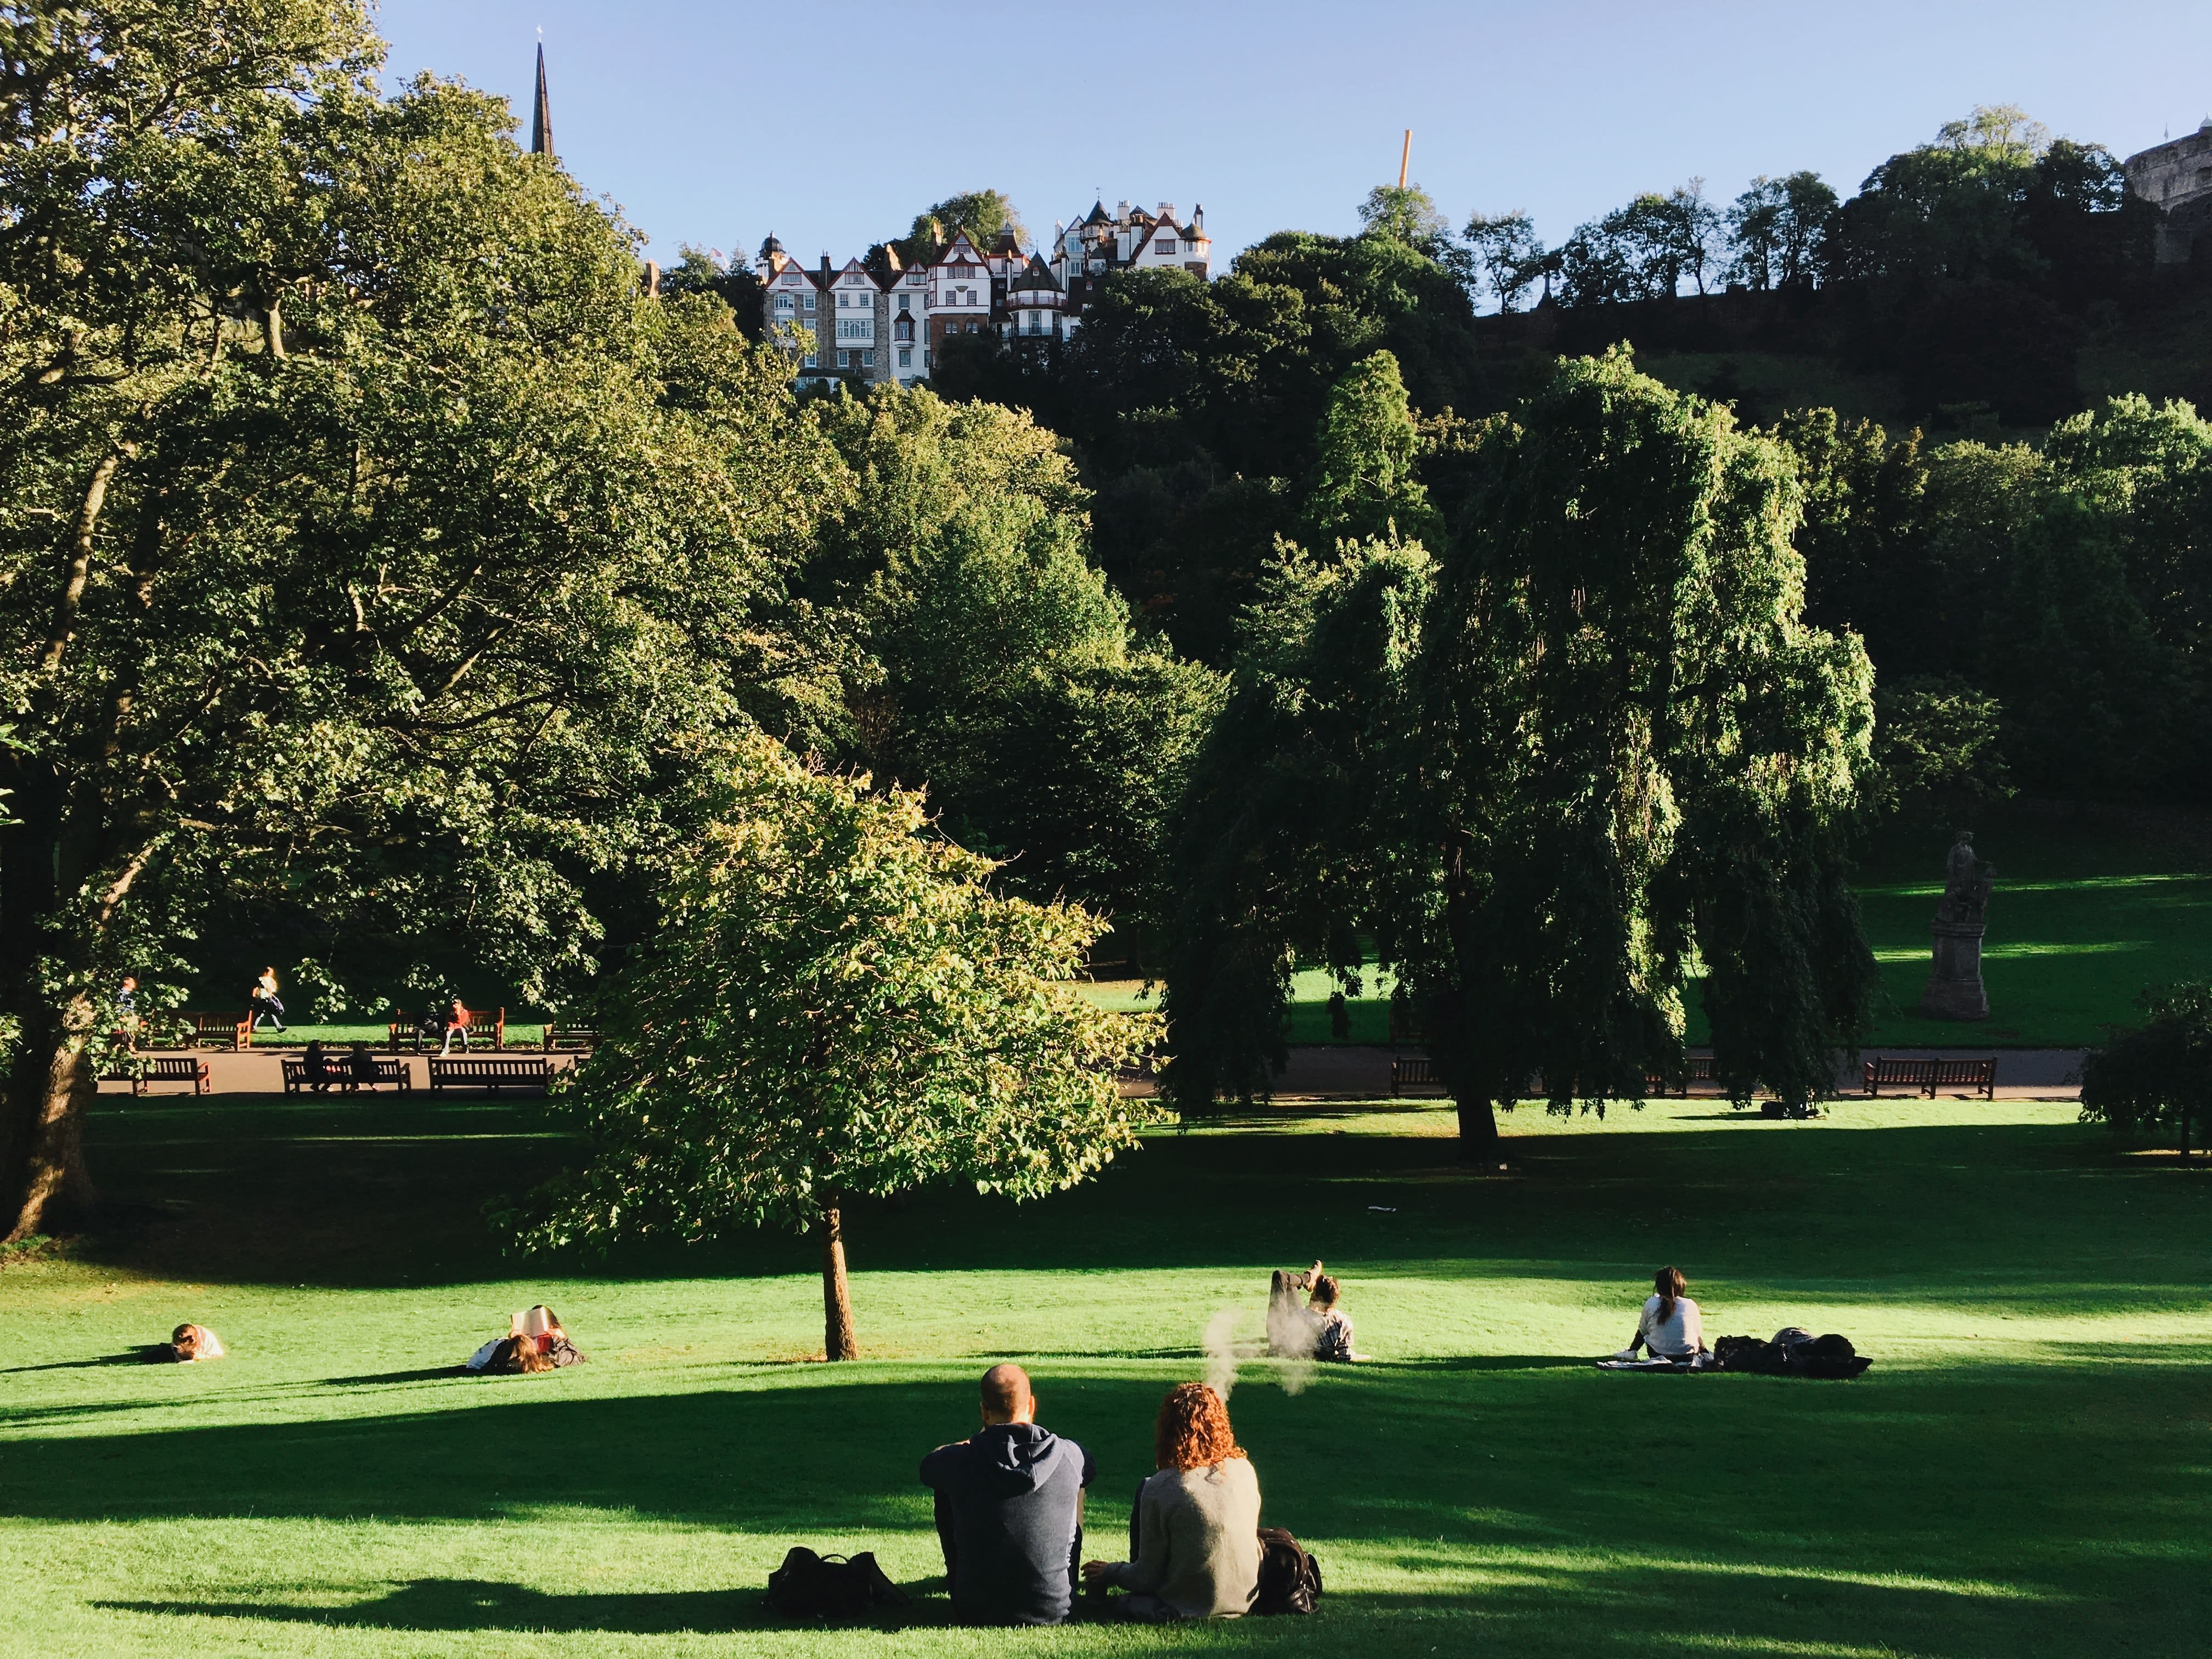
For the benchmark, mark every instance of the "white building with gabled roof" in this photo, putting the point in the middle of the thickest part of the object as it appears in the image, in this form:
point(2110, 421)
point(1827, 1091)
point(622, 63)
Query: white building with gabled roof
point(876, 324)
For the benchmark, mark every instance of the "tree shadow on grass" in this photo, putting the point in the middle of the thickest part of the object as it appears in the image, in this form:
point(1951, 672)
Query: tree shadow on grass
point(483, 1604)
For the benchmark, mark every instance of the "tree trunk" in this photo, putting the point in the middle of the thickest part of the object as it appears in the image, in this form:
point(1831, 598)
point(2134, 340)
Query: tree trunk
point(1477, 1132)
point(838, 1341)
point(48, 1185)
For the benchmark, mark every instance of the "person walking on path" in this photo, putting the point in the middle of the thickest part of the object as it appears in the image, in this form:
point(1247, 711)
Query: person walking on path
point(266, 1003)
point(1010, 1511)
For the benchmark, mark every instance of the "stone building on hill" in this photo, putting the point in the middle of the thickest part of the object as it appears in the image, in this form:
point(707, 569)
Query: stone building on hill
point(872, 324)
point(2177, 176)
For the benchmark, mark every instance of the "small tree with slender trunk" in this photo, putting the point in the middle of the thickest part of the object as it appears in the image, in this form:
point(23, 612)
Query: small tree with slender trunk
point(838, 1005)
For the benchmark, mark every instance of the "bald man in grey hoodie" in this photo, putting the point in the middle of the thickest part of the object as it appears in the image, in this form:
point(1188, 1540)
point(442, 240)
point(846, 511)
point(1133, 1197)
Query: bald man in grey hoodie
point(1010, 1511)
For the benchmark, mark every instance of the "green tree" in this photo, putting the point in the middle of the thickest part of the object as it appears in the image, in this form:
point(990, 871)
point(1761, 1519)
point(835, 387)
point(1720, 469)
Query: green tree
point(1779, 231)
point(373, 557)
point(1405, 214)
point(1509, 256)
point(983, 214)
point(2158, 1077)
point(836, 1005)
point(1605, 750)
point(1365, 482)
point(1936, 754)
point(1004, 671)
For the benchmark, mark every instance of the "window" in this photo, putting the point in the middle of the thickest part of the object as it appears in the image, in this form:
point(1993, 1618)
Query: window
point(906, 301)
point(924, 359)
point(1165, 244)
point(783, 303)
point(906, 359)
point(867, 360)
point(807, 304)
point(902, 328)
point(808, 362)
point(856, 328)
point(844, 360)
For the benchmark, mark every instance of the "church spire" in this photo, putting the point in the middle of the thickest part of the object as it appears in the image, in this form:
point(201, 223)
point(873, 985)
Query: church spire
point(541, 119)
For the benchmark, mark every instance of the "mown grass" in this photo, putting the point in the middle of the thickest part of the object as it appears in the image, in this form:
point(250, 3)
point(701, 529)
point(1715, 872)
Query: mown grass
point(2023, 1471)
point(2087, 915)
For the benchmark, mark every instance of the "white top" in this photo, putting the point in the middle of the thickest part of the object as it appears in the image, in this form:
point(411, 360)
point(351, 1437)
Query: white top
point(1679, 1338)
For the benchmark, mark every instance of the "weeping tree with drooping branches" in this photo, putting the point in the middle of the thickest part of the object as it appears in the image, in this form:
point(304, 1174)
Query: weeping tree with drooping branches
point(837, 1006)
point(1589, 755)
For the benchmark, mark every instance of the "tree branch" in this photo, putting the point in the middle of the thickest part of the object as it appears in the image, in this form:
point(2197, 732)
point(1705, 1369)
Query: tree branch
point(80, 561)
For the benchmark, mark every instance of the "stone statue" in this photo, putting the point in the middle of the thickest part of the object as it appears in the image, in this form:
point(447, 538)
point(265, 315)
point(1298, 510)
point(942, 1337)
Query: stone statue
point(1968, 883)
point(1955, 981)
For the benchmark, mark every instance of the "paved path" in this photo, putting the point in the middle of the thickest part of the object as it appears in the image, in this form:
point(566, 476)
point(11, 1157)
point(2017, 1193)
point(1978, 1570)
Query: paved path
point(1351, 1070)
point(258, 1071)
point(1318, 1072)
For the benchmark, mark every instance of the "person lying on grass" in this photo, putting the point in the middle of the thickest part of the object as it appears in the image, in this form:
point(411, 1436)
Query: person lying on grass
point(1010, 1511)
point(1195, 1529)
point(534, 1342)
point(1670, 1328)
point(189, 1343)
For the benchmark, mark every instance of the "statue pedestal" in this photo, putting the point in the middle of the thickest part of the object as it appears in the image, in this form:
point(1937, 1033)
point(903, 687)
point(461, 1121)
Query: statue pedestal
point(1955, 984)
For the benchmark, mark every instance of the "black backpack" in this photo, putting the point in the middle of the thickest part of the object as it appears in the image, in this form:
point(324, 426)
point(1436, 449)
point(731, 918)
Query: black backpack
point(1290, 1579)
point(1794, 1351)
point(811, 1586)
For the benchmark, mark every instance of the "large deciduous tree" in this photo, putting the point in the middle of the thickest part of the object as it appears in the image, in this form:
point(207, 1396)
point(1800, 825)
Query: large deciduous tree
point(372, 555)
point(837, 1006)
point(1590, 754)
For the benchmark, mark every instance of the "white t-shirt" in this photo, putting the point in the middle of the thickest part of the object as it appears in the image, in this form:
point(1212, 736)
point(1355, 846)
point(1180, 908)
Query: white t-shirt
point(1678, 1337)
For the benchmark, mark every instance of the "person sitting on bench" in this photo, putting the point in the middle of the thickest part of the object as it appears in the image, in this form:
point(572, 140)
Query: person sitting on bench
point(1195, 1532)
point(457, 1024)
point(1671, 1327)
point(1010, 1511)
point(360, 1067)
point(320, 1075)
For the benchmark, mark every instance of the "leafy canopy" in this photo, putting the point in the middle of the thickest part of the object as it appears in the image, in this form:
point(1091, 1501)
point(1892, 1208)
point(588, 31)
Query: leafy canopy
point(837, 1005)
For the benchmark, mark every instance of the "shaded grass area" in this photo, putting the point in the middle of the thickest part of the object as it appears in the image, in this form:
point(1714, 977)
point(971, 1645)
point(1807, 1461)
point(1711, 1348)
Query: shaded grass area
point(2024, 1470)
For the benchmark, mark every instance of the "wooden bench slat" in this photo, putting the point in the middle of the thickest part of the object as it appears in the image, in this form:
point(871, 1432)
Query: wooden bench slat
point(1928, 1076)
point(468, 1071)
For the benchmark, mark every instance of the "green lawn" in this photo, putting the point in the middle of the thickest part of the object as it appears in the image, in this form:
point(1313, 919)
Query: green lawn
point(2086, 916)
point(2025, 1469)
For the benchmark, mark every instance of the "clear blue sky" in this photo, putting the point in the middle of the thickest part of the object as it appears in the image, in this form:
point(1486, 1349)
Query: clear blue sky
point(833, 124)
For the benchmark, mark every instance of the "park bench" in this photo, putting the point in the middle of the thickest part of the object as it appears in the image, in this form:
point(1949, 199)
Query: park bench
point(1696, 1068)
point(337, 1073)
point(159, 1068)
point(561, 1039)
point(1416, 1072)
point(467, 1072)
point(234, 1031)
point(473, 1021)
point(1927, 1077)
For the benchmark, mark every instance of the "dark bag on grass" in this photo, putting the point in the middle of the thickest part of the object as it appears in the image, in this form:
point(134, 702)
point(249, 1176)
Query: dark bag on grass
point(1794, 1351)
point(811, 1586)
point(1290, 1579)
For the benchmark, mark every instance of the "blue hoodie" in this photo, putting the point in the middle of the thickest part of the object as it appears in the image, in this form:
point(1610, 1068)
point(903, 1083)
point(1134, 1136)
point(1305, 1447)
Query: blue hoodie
point(1010, 1513)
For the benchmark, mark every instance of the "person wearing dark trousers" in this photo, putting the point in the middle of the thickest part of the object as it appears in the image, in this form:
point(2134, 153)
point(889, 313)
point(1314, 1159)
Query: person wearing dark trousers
point(267, 1004)
point(1010, 1511)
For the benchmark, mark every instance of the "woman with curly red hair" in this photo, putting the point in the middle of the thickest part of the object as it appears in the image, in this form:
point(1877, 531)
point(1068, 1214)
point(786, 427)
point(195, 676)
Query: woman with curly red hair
point(1195, 1534)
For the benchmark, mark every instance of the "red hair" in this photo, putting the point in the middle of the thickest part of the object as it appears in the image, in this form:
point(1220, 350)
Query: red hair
point(1193, 1430)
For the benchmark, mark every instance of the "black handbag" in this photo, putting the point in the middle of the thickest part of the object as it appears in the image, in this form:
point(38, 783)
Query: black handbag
point(811, 1586)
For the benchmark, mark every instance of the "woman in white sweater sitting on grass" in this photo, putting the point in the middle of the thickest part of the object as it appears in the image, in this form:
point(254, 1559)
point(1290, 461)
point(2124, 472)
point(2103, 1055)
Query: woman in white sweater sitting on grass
point(1195, 1542)
point(1671, 1327)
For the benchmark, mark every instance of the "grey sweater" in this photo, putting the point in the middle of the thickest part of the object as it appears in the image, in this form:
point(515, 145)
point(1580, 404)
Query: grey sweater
point(1198, 1540)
